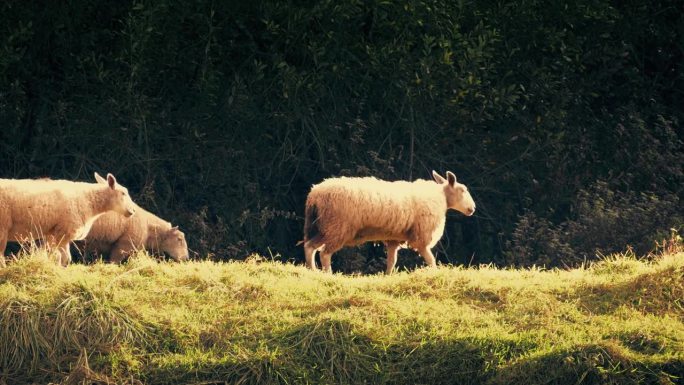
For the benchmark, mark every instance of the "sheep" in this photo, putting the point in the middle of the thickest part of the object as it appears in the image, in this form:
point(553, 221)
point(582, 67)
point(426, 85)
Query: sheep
point(347, 211)
point(57, 211)
point(119, 236)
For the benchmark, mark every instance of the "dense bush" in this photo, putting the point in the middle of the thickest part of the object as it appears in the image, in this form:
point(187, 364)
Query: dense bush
point(221, 115)
point(603, 222)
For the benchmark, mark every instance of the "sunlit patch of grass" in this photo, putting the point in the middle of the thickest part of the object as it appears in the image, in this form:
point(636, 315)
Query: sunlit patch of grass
point(616, 321)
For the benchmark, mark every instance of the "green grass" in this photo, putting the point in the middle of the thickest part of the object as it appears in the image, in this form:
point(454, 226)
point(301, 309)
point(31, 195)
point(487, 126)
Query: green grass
point(619, 321)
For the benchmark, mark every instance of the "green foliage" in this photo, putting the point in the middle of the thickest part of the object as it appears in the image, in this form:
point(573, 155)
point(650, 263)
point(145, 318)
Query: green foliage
point(221, 115)
point(615, 321)
point(603, 222)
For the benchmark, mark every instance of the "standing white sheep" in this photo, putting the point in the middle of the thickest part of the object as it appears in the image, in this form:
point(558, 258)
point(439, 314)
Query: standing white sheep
point(57, 211)
point(350, 211)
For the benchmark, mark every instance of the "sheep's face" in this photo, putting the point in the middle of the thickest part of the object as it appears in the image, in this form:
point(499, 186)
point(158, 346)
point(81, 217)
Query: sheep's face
point(457, 195)
point(174, 244)
point(119, 200)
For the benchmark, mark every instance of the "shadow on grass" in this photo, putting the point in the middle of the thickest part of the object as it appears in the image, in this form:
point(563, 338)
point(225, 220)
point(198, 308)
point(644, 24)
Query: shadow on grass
point(592, 364)
point(658, 293)
point(324, 351)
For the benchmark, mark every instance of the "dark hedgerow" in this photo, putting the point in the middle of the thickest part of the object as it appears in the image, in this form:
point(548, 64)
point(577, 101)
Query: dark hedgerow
point(603, 222)
point(220, 115)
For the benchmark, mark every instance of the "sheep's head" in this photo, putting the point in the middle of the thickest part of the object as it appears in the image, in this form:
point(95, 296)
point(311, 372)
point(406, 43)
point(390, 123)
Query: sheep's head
point(457, 194)
point(173, 243)
point(119, 200)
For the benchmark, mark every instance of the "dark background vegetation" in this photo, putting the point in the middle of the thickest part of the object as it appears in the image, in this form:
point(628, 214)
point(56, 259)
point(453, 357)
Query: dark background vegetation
point(564, 118)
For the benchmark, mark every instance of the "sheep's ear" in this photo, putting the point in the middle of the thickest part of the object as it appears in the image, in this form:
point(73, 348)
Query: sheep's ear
point(111, 181)
point(438, 178)
point(451, 178)
point(100, 179)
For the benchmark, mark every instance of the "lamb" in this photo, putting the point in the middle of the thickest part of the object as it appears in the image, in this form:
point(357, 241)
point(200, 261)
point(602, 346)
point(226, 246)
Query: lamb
point(118, 236)
point(350, 211)
point(57, 211)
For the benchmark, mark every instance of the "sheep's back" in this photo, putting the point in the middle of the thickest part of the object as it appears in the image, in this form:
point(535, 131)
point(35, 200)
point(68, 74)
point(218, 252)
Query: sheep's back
point(371, 209)
point(32, 207)
point(39, 187)
point(109, 227)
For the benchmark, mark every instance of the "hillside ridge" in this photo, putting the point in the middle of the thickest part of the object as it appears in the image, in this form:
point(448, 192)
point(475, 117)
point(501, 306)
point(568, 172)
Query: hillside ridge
point(616, 321)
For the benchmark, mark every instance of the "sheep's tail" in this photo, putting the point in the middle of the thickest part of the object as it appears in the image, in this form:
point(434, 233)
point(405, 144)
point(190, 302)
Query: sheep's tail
point(311, 229)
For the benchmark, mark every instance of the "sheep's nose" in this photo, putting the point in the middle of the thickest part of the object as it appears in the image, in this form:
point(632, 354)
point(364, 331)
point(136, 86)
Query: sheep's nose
point(471, 210)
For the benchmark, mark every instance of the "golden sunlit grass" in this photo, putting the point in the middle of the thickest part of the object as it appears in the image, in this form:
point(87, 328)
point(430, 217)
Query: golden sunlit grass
point(617, 321)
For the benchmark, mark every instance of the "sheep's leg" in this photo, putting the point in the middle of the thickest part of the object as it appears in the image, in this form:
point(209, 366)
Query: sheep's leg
point(120, 251)
point(64, 253)
point(392, 251)
point(3, 243)
point(326, 259)
point(51, 244)
point(310, 255)
point(427, 256)
point(3, 246)
point(117, 255)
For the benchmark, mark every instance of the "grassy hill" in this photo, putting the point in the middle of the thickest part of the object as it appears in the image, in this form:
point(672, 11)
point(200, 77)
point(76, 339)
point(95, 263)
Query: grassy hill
point(617, 321)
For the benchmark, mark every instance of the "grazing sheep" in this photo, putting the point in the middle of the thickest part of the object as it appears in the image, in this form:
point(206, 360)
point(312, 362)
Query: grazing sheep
point(118, 236)
point(350, 211)
point(57, 211)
